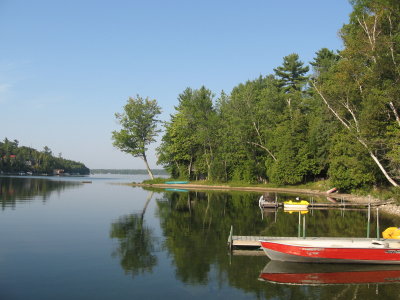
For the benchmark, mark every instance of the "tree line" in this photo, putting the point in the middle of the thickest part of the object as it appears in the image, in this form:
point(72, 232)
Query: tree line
point(336, 118)
point(22, 159)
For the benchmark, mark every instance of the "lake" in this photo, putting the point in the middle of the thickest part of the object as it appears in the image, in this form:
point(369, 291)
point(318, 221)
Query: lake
point(66, 238)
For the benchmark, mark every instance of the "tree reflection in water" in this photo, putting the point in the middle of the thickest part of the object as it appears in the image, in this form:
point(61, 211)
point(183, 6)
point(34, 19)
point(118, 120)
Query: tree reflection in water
point(14, 190)
point(195, 227)
point(136, 242)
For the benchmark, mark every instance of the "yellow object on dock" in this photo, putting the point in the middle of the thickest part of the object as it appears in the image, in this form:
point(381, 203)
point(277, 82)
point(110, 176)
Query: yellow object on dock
point(298, 205)
point(391, 233)
point(302, 202)
point(301, 211)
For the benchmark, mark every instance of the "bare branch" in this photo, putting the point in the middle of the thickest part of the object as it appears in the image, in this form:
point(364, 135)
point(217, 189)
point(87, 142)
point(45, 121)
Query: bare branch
point(371, 36)
point(258, 132)
point(265, 148)
point(364, 26)
point(357, 136)
point(374, 31)
point(391, 42)
point(347, 106)
point(396, 114)
point(343, 121)
point(376, 160)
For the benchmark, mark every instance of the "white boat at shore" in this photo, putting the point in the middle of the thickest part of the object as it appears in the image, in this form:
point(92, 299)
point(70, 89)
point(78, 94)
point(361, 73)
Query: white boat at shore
point(295, 205)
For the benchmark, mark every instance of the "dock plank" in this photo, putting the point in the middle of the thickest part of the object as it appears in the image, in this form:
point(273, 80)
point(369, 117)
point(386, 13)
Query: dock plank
point(253, 241)
point(249, 240)
point(248, 253)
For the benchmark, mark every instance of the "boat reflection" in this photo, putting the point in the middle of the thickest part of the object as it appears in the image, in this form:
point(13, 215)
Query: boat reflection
point(328, 274)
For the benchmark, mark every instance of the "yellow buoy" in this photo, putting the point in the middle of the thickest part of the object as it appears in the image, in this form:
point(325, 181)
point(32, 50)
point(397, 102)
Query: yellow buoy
point(391, 233)
point(303, 212)
point(302, 202)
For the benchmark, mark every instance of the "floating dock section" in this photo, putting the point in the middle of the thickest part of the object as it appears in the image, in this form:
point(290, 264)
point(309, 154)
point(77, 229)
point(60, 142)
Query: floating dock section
point(253, 242)
point(240, 245)
point(316, 205)
point(249, 241)
point(246, 241)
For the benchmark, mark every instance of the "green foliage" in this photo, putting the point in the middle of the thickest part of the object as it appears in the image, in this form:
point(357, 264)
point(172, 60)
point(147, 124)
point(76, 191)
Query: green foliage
point(285, 129)
point(136, 244)
point(350, 167)
point(25, 189)
point(139, 127)
point(187, 148)
point(198, 222)
point(21, 159)
point(246, 172)
point(393, 145)
point(325, 59)
point(292, 73)
point(156, 180)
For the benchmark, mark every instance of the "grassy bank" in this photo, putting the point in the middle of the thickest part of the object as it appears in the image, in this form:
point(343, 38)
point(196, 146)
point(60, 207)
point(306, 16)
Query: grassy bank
point(322, 186)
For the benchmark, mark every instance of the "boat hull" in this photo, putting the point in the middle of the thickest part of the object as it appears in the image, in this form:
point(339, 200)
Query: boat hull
point(323, 252)
point(328, 274)
point(295, 207)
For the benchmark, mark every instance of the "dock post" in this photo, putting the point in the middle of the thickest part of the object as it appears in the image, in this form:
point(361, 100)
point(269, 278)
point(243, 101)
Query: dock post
point(377, 223)
point(369, 219)
point(230, 241)
point(299, 229)
point(304, 226)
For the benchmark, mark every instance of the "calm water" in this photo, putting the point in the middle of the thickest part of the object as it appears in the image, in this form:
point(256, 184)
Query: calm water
point(64, 239)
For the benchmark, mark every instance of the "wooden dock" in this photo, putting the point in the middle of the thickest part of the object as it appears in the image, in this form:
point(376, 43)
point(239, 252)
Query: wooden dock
point(256, 252)
point(316, 205)
point(251, 241)
point(246, 241)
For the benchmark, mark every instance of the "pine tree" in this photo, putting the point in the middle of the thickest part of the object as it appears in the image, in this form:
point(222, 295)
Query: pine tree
point(292, 73)
point(323, 61)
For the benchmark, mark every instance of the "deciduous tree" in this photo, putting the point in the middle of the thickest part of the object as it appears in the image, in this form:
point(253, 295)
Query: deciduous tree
point(139, 127)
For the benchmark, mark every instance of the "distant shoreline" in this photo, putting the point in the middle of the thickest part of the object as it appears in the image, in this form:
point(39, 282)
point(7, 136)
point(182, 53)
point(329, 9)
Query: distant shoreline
point(128, 171)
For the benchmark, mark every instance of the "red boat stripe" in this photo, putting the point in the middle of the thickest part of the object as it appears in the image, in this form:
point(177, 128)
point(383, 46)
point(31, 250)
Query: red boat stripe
point(336, 253)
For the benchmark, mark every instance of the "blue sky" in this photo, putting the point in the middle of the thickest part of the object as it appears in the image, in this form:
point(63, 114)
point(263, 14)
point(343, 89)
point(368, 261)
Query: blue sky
point(66, 67)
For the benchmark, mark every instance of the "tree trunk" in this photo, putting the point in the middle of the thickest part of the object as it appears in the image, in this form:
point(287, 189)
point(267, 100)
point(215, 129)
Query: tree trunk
point(260, 144)
point(149, 196)
point(357, 136)
point(208, 163)
point(190, 168)
point(394, 110)
point(376, 160)
point(265, 148)
point(226, 172)
point(147, 166)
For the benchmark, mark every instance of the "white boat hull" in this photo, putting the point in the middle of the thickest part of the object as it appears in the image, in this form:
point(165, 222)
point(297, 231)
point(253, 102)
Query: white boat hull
point(325, 250)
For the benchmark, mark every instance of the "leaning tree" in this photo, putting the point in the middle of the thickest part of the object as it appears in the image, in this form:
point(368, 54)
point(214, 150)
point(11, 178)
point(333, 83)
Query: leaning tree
point(139, 127)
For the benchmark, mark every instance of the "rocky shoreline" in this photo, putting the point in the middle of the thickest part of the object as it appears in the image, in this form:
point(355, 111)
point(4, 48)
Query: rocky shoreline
point(386, 206)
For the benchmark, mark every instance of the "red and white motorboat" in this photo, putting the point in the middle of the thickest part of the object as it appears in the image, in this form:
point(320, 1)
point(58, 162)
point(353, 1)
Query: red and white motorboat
point(333, 250)
point(329, 274)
